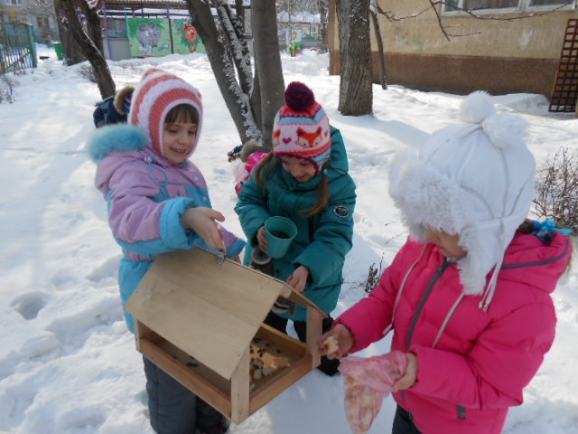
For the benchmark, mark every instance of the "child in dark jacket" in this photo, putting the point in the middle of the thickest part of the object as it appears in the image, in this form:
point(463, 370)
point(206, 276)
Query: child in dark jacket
point(305, 178)
point(114, 109)
point(468, 297)
point(158, 202)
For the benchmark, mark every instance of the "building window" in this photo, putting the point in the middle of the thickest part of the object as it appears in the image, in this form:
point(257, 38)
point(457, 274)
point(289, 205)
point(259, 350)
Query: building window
point(42, 22)
point(549, 2)
point(116, 28)
point(12, 2)
point(477, 5)
point(490, 4)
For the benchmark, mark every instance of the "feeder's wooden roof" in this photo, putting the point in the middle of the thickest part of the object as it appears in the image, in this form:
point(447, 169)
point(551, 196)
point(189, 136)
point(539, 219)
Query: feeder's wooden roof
point(209, 310)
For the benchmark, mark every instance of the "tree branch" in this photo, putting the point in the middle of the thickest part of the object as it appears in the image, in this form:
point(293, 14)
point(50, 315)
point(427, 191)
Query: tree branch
point(433, 5)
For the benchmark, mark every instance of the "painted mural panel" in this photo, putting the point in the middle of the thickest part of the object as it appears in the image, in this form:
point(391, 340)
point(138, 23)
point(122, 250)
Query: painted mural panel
point(186, 38)
point(152, 37)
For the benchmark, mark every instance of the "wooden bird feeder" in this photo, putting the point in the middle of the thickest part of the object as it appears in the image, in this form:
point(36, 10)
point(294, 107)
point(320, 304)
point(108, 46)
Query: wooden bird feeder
point(199, 317)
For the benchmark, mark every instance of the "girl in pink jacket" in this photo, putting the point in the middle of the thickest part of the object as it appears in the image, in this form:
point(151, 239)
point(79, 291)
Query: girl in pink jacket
point(468, 297)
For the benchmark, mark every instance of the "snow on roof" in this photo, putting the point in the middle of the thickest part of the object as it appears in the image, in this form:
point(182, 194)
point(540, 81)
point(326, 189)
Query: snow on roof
point(159, 4)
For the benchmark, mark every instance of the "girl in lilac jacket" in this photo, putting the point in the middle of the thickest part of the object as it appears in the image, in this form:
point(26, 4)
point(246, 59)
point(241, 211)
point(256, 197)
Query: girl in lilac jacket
point(158, 202)
point(468, 297)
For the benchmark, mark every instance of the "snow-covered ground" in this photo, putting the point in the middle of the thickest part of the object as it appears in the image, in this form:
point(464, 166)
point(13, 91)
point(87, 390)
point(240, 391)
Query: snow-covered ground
point(68, 365)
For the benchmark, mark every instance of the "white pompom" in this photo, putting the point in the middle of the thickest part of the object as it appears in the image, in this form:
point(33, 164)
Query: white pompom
point(477, 107)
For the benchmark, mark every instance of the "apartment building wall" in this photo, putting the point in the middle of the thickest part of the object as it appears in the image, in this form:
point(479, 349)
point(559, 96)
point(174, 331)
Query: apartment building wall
point(497, 50)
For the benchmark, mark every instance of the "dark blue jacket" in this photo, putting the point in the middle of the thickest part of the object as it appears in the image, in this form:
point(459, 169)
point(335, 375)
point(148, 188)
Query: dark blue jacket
point(111, 110)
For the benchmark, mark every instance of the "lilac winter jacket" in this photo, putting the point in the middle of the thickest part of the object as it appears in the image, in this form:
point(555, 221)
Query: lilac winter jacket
point(147, 196)
point(483, 359)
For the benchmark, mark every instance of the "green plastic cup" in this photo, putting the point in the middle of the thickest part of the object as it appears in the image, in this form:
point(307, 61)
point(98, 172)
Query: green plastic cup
point(280, 234)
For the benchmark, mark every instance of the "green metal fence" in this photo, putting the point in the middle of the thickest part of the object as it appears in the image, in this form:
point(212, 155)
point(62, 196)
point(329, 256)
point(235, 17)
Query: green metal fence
point(17, 47)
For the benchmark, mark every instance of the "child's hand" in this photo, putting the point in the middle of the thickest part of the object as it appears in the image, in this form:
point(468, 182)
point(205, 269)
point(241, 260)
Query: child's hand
point(298, 279)
point(262, 239)
point(341, 336)
point(410, 376)
point(202, 221)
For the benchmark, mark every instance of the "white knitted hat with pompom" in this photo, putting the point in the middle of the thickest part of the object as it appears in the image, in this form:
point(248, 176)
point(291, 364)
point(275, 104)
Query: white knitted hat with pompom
point(475, 179)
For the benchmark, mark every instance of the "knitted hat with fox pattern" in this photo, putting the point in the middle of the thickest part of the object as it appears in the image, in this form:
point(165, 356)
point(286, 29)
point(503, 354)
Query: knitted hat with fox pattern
point(474, 179)
point(301, 127)
point(156, 94)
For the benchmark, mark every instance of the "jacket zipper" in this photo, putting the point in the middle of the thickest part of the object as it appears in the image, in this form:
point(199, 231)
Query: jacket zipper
point(447, 262)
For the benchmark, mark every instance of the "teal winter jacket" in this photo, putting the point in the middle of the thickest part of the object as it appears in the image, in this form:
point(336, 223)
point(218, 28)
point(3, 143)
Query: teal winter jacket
point(323, 240)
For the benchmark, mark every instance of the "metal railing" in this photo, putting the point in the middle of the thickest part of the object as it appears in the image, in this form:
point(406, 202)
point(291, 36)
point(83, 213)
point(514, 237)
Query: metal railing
point(17, 47)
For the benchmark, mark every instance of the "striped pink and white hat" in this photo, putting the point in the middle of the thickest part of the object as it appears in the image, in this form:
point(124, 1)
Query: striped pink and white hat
point(157, 93)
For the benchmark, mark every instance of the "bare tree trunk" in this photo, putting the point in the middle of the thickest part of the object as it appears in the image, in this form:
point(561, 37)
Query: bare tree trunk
point(239, 25)
point(268, 61)
point(355, 90)
point(235, 43)
point(102, 74)
point(252, 102)
point(323, 18)
point(236, 100)
point(377, 30)
point(72, 52)
point(240, 11)
point(92, 24)
point(256, 99)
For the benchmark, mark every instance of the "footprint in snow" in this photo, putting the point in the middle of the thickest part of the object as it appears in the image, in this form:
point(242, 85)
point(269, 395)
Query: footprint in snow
point(29, 305)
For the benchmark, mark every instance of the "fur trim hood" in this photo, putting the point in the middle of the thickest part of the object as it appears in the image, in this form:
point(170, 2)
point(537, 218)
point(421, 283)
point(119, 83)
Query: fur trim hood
point(119, 99)
point(116, 138)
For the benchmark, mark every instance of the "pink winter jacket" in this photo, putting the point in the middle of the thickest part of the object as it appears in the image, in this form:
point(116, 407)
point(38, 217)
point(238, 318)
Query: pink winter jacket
point(482, 360)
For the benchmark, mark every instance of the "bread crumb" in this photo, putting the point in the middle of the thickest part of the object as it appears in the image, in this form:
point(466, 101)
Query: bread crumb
point(330, 344)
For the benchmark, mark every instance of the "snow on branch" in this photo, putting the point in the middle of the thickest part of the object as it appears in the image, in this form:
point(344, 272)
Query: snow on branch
point(92, 4)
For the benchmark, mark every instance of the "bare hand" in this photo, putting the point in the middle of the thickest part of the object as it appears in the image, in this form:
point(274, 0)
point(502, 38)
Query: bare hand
point(410, 376)
point(262, 239)
point(298, 279)
point(202, 221)
point(342, 336)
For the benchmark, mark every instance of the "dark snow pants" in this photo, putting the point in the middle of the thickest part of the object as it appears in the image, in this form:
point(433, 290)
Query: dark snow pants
point(327, 366)
point(403, 423)
point(173, 408)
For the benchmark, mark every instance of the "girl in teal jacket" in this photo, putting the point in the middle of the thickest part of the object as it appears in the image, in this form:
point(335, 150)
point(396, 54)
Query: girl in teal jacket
point(305, 179)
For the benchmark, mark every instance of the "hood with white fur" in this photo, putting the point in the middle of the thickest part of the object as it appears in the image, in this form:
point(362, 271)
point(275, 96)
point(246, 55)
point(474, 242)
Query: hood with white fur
point(476, 180)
